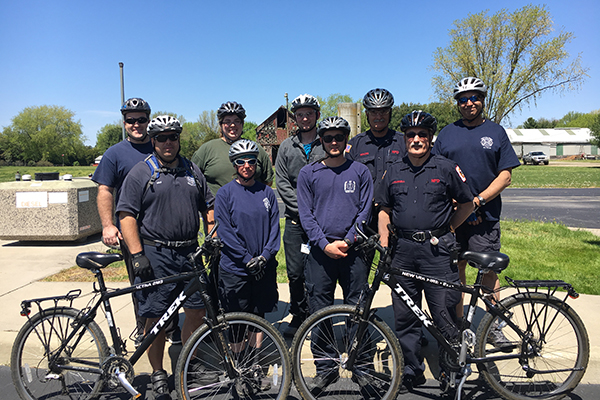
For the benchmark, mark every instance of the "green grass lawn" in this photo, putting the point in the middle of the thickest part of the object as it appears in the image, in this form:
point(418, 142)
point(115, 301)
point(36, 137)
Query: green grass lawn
point(7, 174)
point(542, 176)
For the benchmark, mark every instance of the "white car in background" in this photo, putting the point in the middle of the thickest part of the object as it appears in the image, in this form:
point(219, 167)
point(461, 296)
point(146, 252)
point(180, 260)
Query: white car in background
point(536, 157)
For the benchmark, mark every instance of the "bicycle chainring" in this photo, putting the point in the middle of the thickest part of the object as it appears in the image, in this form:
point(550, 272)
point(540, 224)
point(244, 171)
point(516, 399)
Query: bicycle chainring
point(110, 367)
point(448, 363)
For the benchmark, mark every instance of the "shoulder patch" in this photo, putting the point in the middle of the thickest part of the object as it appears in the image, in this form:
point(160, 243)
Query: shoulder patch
point(460, 174)
point(348, 147)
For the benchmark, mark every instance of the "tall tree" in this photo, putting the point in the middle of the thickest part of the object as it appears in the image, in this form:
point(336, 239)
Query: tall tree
point(44, 133)
point(515, 54)
point(595, 128)
point(109, 135)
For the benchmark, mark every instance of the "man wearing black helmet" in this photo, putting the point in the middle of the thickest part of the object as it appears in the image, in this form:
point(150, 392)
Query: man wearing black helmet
point(159, 209)
point(212, 157)
point(378, 147)
point(484, 152)
point(294, 153)
point(416, 197)
point(333, 194)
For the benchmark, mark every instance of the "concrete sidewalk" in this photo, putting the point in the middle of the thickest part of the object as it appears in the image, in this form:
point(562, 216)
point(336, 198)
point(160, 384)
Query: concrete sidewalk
point(24, 264)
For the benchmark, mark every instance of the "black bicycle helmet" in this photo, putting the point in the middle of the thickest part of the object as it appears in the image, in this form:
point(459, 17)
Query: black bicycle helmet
point(419, 119)
point(135, 104)
point(305, 100)
point(330, 123)
point(469, 84)
point(243, 147)
point(163, 123)
point(378, 98)
point(231, 108)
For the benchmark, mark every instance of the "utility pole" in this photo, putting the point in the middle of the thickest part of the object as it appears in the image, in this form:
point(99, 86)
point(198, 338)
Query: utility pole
point(287, 117)
point(122, 99)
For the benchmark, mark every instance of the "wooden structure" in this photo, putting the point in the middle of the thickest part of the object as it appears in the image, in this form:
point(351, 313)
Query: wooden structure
point(274, 130)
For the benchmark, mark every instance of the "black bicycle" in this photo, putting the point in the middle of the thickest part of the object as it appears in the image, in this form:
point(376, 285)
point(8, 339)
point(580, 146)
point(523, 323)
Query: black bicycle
point(61, 352)
point(543, 355)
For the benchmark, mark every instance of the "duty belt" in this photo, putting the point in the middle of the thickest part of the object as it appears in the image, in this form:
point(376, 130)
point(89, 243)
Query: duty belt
point(168, 243)
point(421, 236)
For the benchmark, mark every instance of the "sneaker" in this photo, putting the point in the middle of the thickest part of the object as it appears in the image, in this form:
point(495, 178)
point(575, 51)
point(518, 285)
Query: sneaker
point(321, 381)
point(175, 336)
point(409, 382)
point(200, 375)
point(496, 338)
point(293, 326)
point(160, 384)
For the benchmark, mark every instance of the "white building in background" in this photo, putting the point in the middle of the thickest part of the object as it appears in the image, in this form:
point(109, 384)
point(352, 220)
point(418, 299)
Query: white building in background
point(557, 143)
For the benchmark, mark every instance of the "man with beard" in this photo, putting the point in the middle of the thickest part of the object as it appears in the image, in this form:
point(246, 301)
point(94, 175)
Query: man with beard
point(294, 153)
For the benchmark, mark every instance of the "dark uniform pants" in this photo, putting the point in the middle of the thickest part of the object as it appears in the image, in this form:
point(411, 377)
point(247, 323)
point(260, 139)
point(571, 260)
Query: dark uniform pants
point(434, 261)
point(293, 238)
point(322, 273)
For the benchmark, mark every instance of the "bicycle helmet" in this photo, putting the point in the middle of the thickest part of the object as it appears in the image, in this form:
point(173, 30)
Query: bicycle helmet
point(243, 147)
point(378, 98)
point(135, 104)
point(469, 84)
point(231, 108)
point(163, 123)
point(305, 100)
point(419, 119)
point(330, 123)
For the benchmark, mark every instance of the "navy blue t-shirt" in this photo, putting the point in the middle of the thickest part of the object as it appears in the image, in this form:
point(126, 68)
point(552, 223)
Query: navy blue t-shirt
point(168, 210)
point(481, 152)
point(331, 200)
point(248, 225)
point(422, 199)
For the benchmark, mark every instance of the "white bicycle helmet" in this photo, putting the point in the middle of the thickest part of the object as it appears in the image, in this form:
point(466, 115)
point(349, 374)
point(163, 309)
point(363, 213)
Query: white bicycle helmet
point(305, 100)
point(469, 84)
point(163, 123)
point(243, 147)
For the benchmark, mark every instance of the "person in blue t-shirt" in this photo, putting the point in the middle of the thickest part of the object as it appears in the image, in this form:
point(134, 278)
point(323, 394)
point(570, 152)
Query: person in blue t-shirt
point(483, 151)
point(333, 195)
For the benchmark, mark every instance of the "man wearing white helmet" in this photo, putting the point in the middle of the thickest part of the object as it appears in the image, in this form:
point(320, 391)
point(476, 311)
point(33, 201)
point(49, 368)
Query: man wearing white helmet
point(294, 153)
point(159, 209)
point(484, 153)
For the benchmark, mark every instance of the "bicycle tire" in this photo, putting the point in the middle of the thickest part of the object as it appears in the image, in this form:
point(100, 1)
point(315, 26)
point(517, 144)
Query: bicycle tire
point(566, 347)
point(267, 370)
point(379, 359)
point(29, 362)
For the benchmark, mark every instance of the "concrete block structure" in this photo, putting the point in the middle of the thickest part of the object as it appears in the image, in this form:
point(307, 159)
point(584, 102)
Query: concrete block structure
point(56, 210)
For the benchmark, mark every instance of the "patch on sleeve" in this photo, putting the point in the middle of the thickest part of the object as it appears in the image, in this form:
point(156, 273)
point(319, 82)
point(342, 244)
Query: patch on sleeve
point(460, 173)
point(348, 147)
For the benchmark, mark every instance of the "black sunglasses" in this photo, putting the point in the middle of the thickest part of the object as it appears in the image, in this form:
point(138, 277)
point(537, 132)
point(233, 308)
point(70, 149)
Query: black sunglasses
point(241, 162)
point(173, 137)
point(140, 120)
point(411, 135)
point(463, 100)
point(338, 138)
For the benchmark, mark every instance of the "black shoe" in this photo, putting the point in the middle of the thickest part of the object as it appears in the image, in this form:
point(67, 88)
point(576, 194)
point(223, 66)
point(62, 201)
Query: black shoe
point(321, 381)
point(409, 382)
point(200, 375)
point(175, 336)
point(293, 326)
point(160, 384)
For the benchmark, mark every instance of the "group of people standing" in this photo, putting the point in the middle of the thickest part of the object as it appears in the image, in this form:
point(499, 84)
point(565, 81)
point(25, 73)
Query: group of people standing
point(327, 183)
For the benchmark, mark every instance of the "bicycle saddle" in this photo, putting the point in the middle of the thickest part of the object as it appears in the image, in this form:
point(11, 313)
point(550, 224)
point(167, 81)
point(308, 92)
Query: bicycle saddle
point(95, 260)
point(492, 260)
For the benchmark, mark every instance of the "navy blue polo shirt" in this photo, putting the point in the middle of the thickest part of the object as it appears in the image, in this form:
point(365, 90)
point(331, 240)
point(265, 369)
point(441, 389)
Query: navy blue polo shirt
point(376, 153)
point(421, 198)
point(481, 152)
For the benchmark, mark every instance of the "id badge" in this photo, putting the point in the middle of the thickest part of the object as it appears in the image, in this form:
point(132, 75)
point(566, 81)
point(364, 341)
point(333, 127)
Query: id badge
point(305, 248)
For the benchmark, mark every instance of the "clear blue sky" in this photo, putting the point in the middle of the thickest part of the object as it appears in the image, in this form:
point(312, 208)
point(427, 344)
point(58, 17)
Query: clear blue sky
point(189, 56)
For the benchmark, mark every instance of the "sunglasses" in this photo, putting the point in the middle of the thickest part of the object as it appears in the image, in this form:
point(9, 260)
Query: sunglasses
point(338, 138)
point(173, 137)
point(140, 120)
point(241, 162)
point(411, 135)
point(464, 100)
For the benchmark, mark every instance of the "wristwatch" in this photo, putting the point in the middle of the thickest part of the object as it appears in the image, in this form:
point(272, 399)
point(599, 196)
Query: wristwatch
point(481, 201)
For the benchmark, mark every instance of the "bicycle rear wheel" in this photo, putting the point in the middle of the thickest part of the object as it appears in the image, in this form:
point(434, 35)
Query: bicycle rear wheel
point(556, 355)
point(260, 358)
point(39, 339)
point(320, 351)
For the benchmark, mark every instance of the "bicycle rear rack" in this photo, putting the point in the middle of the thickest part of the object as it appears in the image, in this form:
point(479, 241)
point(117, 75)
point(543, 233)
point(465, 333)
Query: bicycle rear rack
point(26, 304)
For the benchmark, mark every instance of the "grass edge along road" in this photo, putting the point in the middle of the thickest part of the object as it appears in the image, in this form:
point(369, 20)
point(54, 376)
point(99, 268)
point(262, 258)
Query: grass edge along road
point(537, 251)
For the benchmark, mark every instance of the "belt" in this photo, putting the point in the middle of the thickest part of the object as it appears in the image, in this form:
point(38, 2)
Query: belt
point(421, 236)
point(168, 243)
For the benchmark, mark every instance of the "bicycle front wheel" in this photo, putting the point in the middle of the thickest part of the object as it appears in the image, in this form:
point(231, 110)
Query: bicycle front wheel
point(320, 351)
point(261, 361)
point(40, 339)
point(553, 354)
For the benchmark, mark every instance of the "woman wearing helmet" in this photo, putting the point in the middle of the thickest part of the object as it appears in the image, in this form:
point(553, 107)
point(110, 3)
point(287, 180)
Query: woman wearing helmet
point(212, 157)
point(248, 217)
point(485, 154)
point(416, 196)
